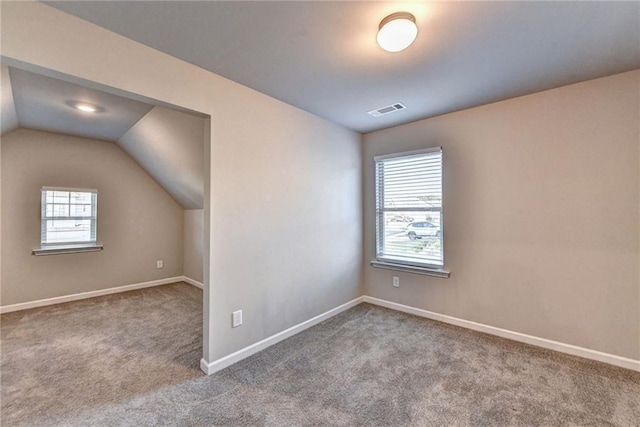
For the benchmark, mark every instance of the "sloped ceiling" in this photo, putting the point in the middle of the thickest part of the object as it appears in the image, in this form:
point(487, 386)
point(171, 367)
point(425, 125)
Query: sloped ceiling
point(166, 143)
point(41, 103)
point(9, 118)
point(169, 146)
point(322, 56)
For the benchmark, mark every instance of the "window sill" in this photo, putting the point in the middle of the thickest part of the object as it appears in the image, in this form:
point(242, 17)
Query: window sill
point(58, 250)
point(435, 272)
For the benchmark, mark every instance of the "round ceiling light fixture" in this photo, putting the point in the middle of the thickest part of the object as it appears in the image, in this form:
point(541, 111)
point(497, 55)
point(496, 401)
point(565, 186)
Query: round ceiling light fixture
point(85, 107)
point(397, 31)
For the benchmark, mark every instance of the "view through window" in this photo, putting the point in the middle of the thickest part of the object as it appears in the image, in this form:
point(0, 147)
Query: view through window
point(68, 217)
point(409, 208)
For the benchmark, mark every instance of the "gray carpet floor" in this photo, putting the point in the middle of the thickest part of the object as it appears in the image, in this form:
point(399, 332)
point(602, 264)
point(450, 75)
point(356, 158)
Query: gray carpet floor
point(132, 359)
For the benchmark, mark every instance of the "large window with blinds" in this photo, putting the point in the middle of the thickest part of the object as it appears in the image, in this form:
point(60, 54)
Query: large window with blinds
point(409, 227)
point(69, 217)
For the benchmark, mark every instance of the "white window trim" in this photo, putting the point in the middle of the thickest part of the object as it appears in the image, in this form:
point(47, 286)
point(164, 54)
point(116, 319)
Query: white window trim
point(427, 271)
point(67, 247)
point(404, 264)
point(58, 250)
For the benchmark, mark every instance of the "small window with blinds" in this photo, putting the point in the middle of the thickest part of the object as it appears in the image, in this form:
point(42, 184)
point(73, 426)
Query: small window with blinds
point(69, 217)
point(409, 227)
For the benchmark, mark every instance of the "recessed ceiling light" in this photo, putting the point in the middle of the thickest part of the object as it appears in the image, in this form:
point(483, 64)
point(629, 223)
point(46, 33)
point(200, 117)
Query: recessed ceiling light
point(85, 107)
point(397, 31)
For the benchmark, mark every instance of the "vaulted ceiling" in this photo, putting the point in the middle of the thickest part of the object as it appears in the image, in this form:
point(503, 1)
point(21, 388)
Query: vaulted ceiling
point(323, 57)
point(168, 144)
point(42, 103)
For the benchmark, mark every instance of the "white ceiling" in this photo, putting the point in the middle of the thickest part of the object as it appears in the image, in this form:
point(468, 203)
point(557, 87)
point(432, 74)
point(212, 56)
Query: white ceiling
point(41, 103)
point(167, 144)
point(8, 116)
point(323, 58)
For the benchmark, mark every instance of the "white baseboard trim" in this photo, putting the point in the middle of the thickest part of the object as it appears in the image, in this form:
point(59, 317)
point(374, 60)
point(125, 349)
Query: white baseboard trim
point(85, 295)
point(190, 281)
point(573, 350)
point(217, 365)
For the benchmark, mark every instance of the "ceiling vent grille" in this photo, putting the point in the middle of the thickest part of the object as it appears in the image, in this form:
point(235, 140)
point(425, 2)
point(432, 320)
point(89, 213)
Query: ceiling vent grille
point(387, 110)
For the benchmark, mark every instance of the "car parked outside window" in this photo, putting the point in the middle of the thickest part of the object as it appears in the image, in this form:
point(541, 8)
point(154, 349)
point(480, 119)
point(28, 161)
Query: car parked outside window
point(420, 229)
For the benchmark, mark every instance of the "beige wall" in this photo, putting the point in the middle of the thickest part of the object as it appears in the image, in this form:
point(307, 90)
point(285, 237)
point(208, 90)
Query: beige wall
point(138, 222)
point(283, 230)
point(541, 215)
point(193, 232)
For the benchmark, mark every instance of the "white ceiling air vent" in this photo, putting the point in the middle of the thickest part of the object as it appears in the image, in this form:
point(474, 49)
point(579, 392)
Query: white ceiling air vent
point(387, 110)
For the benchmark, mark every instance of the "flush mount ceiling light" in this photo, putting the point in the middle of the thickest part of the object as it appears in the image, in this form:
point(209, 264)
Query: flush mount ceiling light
point(85, 107)
point(397, 31)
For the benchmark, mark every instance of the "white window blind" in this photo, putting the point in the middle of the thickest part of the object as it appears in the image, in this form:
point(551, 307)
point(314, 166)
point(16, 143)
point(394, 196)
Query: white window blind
point(409, 227)
point(69, 217)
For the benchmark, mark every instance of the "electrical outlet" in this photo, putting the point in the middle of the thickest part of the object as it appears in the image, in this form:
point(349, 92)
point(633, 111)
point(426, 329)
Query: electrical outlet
point(236, 319)
point(396, 282)
point(159, 264)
